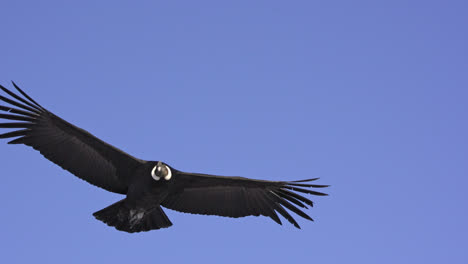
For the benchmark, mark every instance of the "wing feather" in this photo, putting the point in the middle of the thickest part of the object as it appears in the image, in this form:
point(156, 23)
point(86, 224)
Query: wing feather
point(68, 146)
point(237, 197)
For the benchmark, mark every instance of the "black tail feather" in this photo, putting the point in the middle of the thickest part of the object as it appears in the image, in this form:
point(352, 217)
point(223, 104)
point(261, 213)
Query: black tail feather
point(132, 220)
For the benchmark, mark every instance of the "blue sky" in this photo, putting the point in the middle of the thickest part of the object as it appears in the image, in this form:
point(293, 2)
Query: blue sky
point(371, 96)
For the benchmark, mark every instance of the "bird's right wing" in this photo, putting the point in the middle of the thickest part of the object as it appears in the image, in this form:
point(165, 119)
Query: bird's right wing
point(237, 197)
point(68, 146)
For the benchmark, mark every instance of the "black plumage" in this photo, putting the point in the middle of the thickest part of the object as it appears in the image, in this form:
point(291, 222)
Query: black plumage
point(148, 185)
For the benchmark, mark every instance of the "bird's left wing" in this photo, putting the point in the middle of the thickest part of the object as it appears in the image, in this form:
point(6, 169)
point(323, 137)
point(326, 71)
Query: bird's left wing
point(238, 197)
point(68, 146)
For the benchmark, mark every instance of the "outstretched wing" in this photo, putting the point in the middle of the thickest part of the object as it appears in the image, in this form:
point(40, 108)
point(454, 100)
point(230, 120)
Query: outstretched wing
point(238, 197)
point(68, 146)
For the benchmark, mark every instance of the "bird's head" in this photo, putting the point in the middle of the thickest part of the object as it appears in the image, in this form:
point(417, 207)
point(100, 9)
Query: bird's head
point(161, 170)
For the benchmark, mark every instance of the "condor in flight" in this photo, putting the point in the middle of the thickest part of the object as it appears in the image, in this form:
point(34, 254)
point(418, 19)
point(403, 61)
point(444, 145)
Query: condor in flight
point(148, 185)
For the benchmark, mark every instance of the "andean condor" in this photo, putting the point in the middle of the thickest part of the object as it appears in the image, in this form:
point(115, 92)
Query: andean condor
point(148, 185)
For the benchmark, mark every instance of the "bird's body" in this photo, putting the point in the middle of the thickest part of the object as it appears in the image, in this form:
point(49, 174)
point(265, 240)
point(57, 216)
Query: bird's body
point(148, 185)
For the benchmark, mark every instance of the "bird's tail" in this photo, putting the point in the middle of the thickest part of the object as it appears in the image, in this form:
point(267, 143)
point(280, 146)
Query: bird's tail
point(131, 220)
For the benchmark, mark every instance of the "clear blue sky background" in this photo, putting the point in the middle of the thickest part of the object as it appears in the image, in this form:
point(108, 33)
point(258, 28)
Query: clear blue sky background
point(371, 96)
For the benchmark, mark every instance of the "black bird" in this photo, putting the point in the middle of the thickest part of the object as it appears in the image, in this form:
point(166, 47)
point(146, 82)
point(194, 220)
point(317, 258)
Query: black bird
point(148, 185)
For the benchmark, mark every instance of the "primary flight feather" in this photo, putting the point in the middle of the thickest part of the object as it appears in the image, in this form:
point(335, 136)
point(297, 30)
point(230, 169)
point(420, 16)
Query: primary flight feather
point(148, 185)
